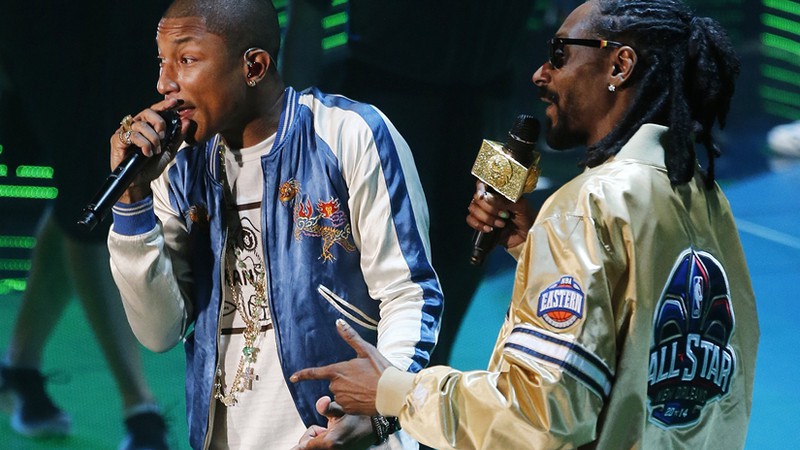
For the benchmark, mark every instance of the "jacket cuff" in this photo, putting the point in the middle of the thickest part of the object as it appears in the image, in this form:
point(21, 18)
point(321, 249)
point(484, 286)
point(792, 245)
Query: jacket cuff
point(131, 219)
point(393, 386)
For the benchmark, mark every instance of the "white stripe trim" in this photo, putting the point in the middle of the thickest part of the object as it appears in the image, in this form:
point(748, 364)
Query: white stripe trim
point(132, 211)
point(560, 352)
point(337, 302)
point(288, 115)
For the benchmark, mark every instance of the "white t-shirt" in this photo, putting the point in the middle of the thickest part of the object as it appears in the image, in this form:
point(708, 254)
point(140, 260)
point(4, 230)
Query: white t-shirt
point(265, 415)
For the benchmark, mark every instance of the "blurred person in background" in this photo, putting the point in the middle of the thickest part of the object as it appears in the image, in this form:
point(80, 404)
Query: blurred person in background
point(55, 99)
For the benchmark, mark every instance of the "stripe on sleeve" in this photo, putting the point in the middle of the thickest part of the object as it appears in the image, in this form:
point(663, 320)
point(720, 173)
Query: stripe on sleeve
point(562, 352)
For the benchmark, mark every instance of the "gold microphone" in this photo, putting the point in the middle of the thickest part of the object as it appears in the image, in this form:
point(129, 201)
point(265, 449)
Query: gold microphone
point(510, 169)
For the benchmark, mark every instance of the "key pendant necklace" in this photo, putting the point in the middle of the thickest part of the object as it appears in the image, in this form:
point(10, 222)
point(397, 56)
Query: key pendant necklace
point(245, 374)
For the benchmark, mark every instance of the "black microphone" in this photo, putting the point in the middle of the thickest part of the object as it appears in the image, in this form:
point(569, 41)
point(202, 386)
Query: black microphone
point(119, 180)
point(509, 169)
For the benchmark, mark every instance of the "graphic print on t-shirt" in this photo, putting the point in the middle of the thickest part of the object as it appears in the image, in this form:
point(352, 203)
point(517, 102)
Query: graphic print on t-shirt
point(246, 272)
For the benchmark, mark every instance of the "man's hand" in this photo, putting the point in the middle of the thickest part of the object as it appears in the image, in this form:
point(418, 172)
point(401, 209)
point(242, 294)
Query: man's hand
point(488, 211)
point(354, 383)
point(343, 431)
point(145, 134)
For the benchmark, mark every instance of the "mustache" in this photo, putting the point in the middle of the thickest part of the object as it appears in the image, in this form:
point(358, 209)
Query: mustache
point(548, 95)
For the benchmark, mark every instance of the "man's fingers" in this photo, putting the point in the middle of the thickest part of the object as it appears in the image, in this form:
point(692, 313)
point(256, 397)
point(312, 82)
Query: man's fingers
point(167, 103)
point(352, 337)
point(313, 432)
point(329, 408)
point(363, 349)
point(313, 373)
point(334, 410)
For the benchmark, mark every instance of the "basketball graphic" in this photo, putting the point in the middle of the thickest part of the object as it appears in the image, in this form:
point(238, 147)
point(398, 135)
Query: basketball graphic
point(559, 316)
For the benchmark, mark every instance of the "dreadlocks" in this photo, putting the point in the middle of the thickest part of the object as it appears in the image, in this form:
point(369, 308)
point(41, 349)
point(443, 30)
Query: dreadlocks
point(685, 75)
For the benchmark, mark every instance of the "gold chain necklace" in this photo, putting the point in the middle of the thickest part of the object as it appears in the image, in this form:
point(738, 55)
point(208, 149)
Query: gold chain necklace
point(244, 377)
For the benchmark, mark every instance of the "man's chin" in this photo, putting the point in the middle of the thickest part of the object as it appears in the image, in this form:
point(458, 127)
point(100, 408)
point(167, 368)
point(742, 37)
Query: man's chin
point(560, 138)
point(192, 136)
point(559, 141)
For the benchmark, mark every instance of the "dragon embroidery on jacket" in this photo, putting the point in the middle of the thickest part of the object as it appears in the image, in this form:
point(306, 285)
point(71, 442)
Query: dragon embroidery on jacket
point(327, 221)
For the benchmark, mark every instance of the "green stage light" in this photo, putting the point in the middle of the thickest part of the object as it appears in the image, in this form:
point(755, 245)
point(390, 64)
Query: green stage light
point(17, 241)
point(334, 20)
point(787, 112)
point(779, 74)
point(781, 24)
point(779, 95)
point(18, 265)
point(337, 40)
point(9, 285)
point(776, 42)
point(786, 6)
point(37, 192)
point(35, 172)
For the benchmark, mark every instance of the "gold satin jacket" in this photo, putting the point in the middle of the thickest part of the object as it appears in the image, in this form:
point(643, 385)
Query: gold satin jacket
point(632, 325)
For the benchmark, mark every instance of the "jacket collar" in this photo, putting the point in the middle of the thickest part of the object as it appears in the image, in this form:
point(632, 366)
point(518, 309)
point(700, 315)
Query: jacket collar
point(645, 145)
point(288, 116)
point(287, 119)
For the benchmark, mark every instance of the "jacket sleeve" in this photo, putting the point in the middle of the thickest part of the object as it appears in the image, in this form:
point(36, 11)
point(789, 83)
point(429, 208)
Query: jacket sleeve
point(546, 386)
point(390, 228)
point(150, 270)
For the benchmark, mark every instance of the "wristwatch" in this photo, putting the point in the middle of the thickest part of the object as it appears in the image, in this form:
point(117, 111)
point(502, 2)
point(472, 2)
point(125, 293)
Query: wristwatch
point(383, 426)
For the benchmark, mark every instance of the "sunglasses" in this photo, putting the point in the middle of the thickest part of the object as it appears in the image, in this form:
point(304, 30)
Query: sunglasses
point(557, 48)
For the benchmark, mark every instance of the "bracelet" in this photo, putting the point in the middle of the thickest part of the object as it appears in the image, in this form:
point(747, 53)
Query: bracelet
point(383, 426)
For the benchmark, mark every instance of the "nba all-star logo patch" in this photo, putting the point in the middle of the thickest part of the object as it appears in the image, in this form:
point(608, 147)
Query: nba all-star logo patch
point(692, 362)
point(562, 303)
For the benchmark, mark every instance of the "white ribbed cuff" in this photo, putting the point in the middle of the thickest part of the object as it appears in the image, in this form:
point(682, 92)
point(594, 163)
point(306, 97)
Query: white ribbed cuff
point(393, 387)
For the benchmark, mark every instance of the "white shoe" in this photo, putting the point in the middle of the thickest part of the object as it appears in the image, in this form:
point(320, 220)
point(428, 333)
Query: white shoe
point(33, 414)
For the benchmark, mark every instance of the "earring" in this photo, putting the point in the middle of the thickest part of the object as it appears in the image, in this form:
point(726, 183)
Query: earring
point(251, 83)
point(611, 88)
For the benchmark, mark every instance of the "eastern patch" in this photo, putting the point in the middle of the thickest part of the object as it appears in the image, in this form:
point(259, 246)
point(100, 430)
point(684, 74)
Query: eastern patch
point(562, 303)
point(691, 360)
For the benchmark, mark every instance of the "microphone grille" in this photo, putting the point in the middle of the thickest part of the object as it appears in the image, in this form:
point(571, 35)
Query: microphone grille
point(525, 128)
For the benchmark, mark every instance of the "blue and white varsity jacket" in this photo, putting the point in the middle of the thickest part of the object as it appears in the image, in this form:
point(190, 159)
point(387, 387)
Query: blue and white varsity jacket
point(343, 211)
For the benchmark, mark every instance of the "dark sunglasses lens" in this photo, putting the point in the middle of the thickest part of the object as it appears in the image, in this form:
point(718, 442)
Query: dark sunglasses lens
point(556, 53)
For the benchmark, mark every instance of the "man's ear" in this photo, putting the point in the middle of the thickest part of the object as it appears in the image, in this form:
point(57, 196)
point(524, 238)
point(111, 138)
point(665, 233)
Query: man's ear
point(255, 65)
point(624, 61)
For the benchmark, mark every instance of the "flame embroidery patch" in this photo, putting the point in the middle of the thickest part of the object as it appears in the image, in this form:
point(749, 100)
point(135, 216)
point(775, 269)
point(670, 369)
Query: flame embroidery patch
point(324, 220)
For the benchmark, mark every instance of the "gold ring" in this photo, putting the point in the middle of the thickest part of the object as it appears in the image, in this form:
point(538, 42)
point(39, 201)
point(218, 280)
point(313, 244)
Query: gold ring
point(127, 123)
point(127, 139)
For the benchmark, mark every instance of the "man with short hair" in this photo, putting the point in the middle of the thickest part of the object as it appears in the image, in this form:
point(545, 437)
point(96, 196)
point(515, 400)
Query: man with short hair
point(285, 211)
point(632, 322)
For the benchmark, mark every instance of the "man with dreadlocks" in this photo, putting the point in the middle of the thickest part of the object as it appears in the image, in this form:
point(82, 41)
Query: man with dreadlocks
point(620, 333)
